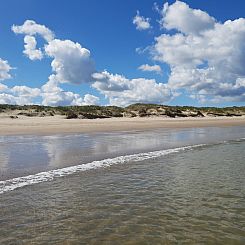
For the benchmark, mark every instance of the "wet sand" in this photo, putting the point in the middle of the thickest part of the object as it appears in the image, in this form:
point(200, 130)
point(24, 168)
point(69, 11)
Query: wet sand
point(58, 124)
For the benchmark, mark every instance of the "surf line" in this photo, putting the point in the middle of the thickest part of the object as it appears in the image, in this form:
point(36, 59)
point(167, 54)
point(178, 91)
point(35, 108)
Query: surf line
point(12, 184)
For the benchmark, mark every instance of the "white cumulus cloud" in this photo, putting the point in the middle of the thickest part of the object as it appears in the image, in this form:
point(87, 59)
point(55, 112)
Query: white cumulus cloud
point(53, 95)
point(90, 99)
point(3, 88)
point(206, 58)
point(31, 28)
point(31, 49)
point(4, 69)
point(185, 19)
point(7, 99)
point(141, 22)
point(122, 91)
point(26, 91)
point(150, 68)
point(25, 95)
point(21, 95)
point(71, 62)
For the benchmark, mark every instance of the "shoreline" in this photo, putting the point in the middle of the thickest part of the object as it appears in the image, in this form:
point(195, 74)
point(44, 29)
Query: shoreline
point(60, 125)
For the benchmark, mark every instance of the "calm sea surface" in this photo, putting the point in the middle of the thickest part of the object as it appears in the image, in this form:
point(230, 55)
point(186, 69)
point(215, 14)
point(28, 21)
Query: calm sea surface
point(184, 186)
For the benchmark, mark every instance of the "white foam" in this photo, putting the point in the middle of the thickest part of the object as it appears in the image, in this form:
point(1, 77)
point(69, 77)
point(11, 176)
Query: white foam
point(12, 184)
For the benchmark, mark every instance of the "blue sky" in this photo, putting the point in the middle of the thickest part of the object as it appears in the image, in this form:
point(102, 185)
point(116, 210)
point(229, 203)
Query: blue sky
point(106, 29)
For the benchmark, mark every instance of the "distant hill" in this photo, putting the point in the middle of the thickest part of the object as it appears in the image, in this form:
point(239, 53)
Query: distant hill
point(134, 110)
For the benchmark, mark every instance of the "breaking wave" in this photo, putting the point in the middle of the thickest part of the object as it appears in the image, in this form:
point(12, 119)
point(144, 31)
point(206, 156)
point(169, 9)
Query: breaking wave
point(12, 184)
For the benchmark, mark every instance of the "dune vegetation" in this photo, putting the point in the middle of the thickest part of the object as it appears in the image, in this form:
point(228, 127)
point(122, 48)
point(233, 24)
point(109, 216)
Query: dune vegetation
point(134, 110)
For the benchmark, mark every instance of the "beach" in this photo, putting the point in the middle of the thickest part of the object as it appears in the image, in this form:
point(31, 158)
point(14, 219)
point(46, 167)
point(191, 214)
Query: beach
point(122, 122)
point(58, 124)
point(154, 180)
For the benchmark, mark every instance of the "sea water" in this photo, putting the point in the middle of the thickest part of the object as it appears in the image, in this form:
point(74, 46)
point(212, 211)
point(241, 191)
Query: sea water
point(156, 187)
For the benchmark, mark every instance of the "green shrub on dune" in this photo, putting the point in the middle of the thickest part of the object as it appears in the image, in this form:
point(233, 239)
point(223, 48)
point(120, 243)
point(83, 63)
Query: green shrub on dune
point(134, 110)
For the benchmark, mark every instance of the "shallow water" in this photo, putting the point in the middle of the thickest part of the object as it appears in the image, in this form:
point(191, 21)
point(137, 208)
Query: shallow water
point(190, 196)
point(24, 155)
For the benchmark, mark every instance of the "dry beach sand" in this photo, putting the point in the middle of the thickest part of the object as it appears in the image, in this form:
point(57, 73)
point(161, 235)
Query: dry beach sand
point(58, 124)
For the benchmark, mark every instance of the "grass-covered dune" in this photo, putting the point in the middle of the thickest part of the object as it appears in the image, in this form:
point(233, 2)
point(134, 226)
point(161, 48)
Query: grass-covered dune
point(134, 110)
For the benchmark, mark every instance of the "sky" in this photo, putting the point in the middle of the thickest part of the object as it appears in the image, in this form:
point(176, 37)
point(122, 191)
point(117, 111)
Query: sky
point(111, 52)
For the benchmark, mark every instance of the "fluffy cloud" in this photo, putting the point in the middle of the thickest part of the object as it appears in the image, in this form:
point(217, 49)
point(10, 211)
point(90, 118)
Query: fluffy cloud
point(61, 99)
point(71, 63)
point(7, 99)
point(90, 99)
point(141, 22)
point(4, 69)
point(26, 91)
point(53, 95)
point(206, 58)
point(107, 82)
point(3, 87)
point(21, 95)
point(181, 17)
point(153, 68)
point(122, 91)
point(31, 50)
point(31, 28)
point(25, 95)
point(50, 94)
